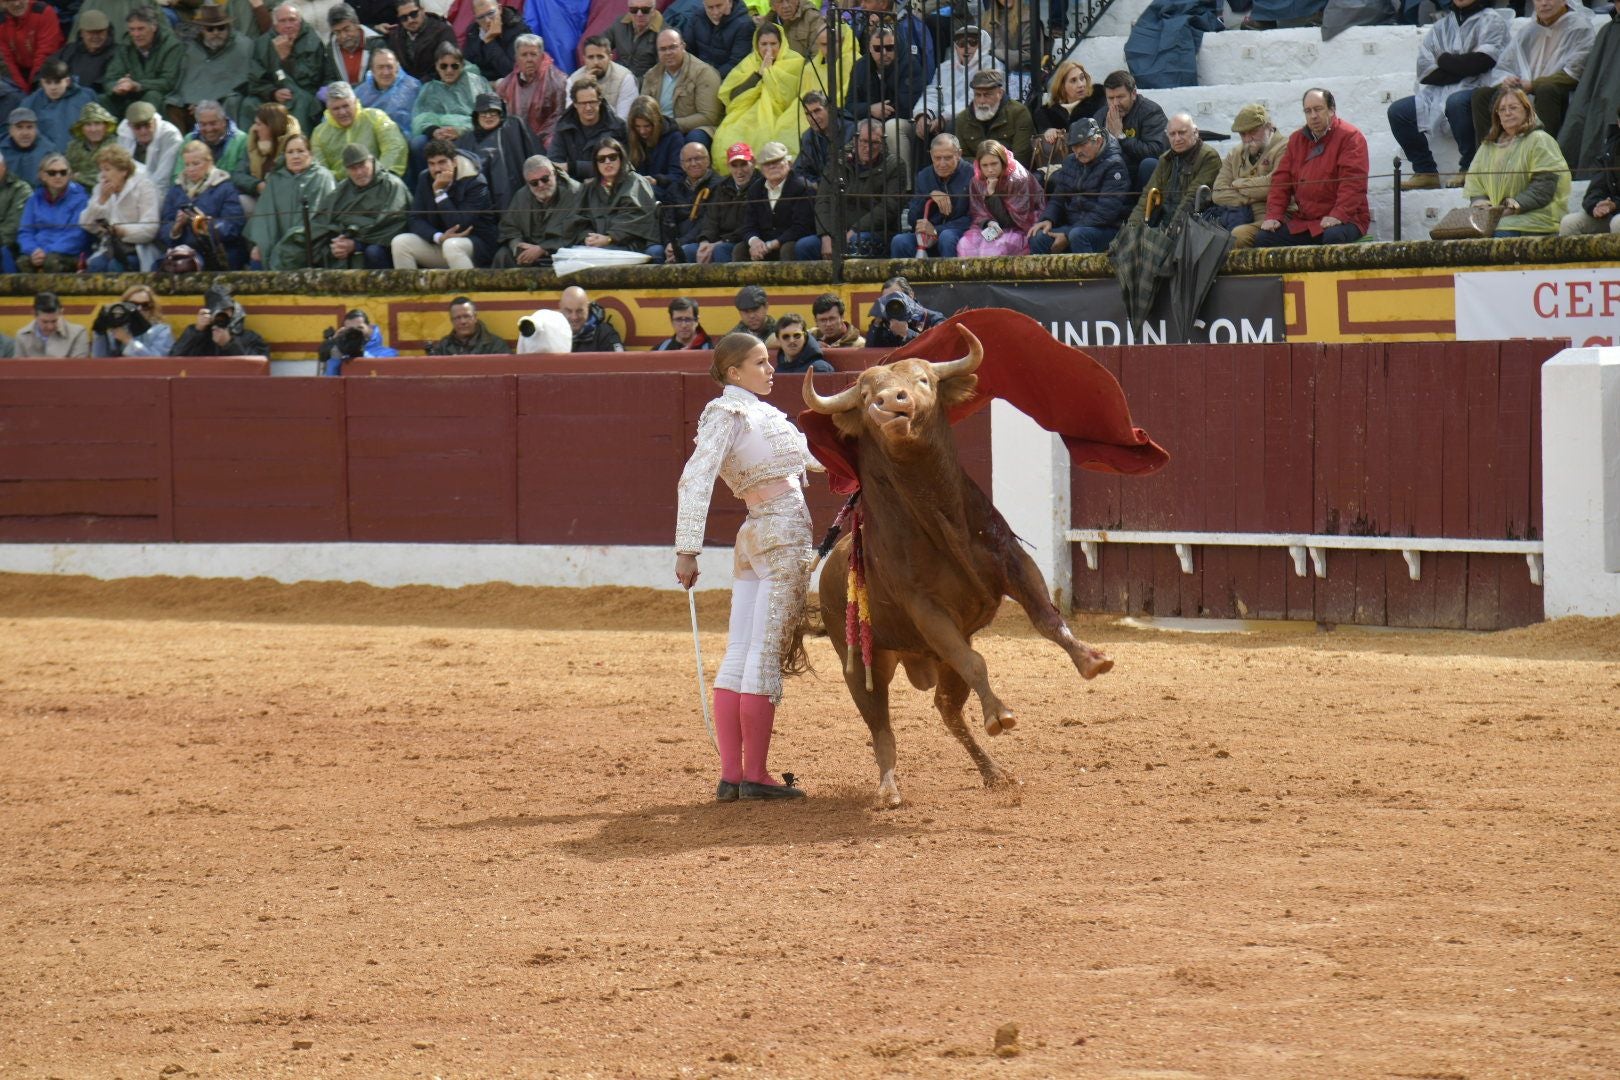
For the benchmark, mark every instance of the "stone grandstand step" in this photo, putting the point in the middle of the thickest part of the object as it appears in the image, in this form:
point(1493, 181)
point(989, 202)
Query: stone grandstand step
point(1237, 56)
point(1422, 210)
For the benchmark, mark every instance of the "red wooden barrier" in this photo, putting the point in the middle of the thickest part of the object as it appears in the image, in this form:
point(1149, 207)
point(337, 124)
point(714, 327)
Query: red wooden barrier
point(1435, 439)
point(84, 367)
point(695, 361)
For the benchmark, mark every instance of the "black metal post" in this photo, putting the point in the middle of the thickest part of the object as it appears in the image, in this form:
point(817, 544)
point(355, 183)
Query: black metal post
point(837, 152)
point(1397, 204)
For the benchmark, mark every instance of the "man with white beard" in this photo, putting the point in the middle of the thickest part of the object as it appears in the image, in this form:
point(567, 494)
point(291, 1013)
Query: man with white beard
point(993, 116)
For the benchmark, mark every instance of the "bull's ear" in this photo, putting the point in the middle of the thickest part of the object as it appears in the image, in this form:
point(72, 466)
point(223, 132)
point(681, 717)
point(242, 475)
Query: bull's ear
point(848, 423)
point(957, 389)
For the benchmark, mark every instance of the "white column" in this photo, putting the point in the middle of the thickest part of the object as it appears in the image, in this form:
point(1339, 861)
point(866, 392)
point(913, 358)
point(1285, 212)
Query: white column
point(1031, 489)
point(1580, 486)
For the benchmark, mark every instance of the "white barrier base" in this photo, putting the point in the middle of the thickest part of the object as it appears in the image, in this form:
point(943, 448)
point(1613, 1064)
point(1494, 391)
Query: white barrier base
point(384, 565)
point(1580, 486)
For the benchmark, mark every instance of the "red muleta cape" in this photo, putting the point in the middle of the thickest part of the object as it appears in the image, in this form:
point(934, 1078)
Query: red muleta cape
point(1059, 387)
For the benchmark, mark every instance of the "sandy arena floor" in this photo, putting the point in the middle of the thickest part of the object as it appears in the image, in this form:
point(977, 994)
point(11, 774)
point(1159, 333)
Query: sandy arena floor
point(252, 830)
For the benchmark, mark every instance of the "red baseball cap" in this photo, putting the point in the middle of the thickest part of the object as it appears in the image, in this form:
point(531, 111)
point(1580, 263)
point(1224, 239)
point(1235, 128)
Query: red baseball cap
point(739, 150)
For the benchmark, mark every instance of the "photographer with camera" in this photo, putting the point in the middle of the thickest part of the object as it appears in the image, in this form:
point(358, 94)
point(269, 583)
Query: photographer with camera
point(132, 326)
point(357, 336)
point(220, 329)
point(897, 317)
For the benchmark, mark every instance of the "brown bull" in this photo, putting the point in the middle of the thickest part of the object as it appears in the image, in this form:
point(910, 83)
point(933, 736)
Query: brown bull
point(939, 557)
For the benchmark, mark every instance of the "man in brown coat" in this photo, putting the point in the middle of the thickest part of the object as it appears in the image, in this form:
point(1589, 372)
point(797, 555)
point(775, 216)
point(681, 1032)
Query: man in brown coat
point(687, 90)
point(1244, 182)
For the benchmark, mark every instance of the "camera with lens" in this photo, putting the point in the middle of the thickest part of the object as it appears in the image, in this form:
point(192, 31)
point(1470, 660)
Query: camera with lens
point(349, 342)
point(113, 316)
point(222, 319)
point(895, 307)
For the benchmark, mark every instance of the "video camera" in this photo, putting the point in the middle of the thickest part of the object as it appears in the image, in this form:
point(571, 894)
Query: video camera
point(346, 343)
point(113, 316)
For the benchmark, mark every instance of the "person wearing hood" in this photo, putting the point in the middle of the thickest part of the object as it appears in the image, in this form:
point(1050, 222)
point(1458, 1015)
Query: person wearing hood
point(14, 195)
point(94, 129)
point(275, 233)
point(801, 21)
point(417, 37)
point(359, 220)
point(587, 122)
point(146, 67)
point(635, 37)
point(720, 36)
point(387, 89)
point(203, 211)
point(1090, 196)
point(50, 238)
point(152, 141)
point(617, 208)
point(58, 102)
point(453, 222)
point(535, 92)
point(501, 144)
point(348, 124)
point(289, 67)
point(122, 212)
point(91, 49)
point(592, 331)
point(444, 108)
point(619, 87)
point(1004, 201)
point(816, 75)
point(541, 218)
point(800, 353)
point(351, 44)
point(21, 145)
point(468, 335)
point(761, 95)
point(218, 63)
point(209, 335)
point(491, 41)
point(29, 33)
point(951, 91)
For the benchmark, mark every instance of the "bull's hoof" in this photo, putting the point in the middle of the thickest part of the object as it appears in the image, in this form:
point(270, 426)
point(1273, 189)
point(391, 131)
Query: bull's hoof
point(995, 725)
point(888, 793)
point(1000, 778)
point(1096, 664)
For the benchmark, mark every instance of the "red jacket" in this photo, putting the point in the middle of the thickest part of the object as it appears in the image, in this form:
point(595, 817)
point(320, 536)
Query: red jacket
point(26, 42)
point(1324, 177)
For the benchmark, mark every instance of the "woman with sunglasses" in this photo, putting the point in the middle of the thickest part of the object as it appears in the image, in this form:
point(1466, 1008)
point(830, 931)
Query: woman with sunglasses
point(156, 340)
point(444, 108)
point(617, 207)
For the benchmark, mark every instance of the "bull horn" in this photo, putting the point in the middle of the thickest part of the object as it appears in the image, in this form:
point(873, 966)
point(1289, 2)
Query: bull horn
point(845, 399)
point(975, 355)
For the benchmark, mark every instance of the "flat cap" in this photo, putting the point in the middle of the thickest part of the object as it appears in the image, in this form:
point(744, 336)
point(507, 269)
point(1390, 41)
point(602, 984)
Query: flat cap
point(20, 115)
point(986, 78)
point(1251, 116)
point(142, 112)
point(772, 151)
point(355, 154)
point(1084, 130)
point(95, 20)
point(750, 297)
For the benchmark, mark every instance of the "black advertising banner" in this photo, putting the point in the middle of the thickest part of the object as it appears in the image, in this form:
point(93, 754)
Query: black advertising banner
point(1239, 310)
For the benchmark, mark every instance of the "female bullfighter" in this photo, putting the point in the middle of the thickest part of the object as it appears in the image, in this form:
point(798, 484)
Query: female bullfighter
point(763, 458)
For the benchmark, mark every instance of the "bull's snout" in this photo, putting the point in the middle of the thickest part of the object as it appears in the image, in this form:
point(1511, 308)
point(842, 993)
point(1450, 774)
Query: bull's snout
point(894, 400)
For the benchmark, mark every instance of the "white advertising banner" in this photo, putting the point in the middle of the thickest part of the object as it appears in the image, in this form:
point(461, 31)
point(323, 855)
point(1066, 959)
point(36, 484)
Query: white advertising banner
point(1582, 305)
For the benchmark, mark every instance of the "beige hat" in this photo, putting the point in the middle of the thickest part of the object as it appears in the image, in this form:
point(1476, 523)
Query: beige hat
point(1251, 116)
point(772, 151)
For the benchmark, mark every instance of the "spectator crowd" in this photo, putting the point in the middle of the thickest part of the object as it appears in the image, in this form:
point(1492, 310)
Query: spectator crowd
point(236, 134)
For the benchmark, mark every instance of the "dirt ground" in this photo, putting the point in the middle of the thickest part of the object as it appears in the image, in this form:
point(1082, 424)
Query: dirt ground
point(256, 830)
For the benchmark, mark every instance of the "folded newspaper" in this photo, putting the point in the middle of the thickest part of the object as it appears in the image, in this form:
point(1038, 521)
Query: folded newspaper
point(571, 260)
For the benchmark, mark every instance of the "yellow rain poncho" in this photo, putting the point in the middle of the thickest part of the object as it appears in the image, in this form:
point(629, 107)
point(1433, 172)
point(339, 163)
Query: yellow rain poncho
point(817, 77)
point(762, 103)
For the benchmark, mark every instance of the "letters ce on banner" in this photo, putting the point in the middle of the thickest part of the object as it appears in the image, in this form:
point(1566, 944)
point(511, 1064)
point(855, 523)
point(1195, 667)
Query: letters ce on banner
point(1581, 305)
point(1238, 310)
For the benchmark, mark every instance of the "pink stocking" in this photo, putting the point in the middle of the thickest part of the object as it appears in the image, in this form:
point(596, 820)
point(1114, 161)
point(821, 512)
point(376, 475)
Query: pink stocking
point(758, 716)
point(728, 733)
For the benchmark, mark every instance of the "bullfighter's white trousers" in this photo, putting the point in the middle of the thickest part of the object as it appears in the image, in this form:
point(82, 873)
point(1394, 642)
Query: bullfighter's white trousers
point(770, 575)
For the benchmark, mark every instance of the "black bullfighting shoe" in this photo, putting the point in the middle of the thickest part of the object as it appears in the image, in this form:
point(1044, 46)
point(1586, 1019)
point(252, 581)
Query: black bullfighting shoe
point(786, 790)
point(725, 792)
